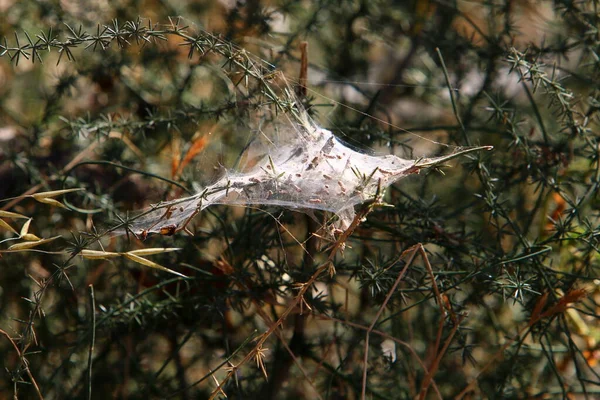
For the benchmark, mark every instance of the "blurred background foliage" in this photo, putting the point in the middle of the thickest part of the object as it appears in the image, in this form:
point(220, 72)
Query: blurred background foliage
point(109, 97)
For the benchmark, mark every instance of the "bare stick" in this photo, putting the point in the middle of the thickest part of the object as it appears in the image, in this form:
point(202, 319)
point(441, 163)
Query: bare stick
point(435, 363)
point(392, 338)
point(25, 364)
point(92, 340)
point(263, 338)
point(303, 78)
point(415, 250)
point(278, 333)
point(327, 266)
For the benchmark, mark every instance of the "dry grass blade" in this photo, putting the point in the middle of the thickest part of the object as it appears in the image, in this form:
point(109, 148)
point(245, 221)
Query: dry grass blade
point(97, 254)
point(25, 228)
point(5, 225)
point(31, 245)
point(30, 237)
point(51, 202)
point(54, 193)
point(151, 264)
point(8, 214)
point(152, 251)
point(25, 235)
point(48, 197)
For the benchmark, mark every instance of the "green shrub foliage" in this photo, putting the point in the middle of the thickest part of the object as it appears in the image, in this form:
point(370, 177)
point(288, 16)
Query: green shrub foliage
point(474, 279)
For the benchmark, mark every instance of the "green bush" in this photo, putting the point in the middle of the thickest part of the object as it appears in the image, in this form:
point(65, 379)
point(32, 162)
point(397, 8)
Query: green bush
point(477, 279)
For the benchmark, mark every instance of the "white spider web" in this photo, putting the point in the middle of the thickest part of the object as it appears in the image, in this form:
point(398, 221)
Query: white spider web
point(291, 162)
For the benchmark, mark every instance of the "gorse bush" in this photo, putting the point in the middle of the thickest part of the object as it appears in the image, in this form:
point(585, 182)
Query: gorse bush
point(298, 264)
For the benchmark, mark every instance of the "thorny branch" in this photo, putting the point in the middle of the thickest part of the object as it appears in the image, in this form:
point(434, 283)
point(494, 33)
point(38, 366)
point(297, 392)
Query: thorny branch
point(527, 239)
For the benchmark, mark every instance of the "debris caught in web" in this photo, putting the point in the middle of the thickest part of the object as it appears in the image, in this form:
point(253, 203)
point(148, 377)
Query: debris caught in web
point(293, 163)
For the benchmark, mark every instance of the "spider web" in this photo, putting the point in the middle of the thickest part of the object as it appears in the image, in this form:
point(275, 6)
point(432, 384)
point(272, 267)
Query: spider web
point(291, 162)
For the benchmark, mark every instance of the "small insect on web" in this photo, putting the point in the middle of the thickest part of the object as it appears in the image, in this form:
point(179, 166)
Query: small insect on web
point(290, 162)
